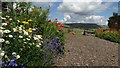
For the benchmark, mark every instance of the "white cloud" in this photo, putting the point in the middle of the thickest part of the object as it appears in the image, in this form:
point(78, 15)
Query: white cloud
point(66, 17)
point(83, 8)
point(84, 12)
point(100, 20)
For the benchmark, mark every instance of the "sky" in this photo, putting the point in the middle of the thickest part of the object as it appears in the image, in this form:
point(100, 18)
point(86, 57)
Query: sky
point(80, 12)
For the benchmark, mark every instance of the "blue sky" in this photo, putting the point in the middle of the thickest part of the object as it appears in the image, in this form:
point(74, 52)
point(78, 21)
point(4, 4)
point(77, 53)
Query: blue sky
point(82, 13)
point(109, 11)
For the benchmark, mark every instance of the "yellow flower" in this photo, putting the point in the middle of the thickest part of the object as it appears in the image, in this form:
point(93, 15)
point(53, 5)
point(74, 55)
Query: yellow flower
point(24, 22)
point(30, 30)
point(29, 20)
point(105, 32)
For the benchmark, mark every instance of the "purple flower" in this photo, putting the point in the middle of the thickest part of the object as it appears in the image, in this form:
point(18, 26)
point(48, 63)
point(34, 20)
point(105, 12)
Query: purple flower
point(33, 31)
point(13, 59)
point(54, 40)
point(56, 45)
point(58, 54)
point(15, 65)
point(61, 48)
point(52, 46)
point(1, 63)
point(5, 65)
point(12, 62)
point(39, 28)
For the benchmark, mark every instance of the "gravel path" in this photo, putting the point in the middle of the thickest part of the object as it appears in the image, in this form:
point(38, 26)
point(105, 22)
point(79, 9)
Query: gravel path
point(89, 51)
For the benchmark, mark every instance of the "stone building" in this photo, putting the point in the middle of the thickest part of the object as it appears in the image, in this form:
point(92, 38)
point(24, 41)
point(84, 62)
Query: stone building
point(114, 21)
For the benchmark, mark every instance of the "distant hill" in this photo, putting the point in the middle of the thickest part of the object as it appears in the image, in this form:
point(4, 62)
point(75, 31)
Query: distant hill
point(83, 25)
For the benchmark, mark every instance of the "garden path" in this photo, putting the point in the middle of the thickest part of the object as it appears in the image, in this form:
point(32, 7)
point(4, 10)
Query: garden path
point(88, 51)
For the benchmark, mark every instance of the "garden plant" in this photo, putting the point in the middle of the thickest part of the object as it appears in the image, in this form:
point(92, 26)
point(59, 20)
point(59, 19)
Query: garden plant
point(28, 38)
point(113, 36)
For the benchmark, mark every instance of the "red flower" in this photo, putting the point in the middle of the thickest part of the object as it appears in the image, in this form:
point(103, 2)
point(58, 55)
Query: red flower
point(17, 10)
point(58, 23)
point(73, 33)
point(49, 20)
point(8, 24)
point(61, 25)
point(60, 28)
point(52, 22)
point(11, 16)
point(33, 11)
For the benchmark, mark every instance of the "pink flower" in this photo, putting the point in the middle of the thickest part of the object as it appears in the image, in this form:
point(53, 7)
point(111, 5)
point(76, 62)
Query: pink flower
point(56, 19)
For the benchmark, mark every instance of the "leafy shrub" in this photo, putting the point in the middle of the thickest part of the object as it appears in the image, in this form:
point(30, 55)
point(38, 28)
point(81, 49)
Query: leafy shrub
point(109, 35)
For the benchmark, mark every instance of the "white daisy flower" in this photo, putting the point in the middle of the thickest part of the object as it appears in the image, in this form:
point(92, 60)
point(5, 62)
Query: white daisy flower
point(2, 40)
point(10, 36)
point(2, 28)
point(15, 30)
point(18, 20)
point(39, 36)
point(7, 16)
point(33, 43)
point(29, 36)
point(25, 42)
point(33, 29)
point(35, 38)
point(20, 31)
point(3, 18)
point(37, 45)
point(20, 36)
point(14, 53)
point(1, 31)
point(20, 28)
point(4, 24)
point(21, 49)
point(7, 42)
point(7, 31)
point(6, 56)
point(18, 56)
point(10, 19)
point(40, 44)
point(2, 53)
point(25, 32)
point(24, 39)
point(28, 39)
point(30, 43)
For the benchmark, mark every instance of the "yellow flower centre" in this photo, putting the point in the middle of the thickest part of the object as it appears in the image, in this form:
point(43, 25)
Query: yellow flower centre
point(29, 20)
point(24, 22)
point(30, 29)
